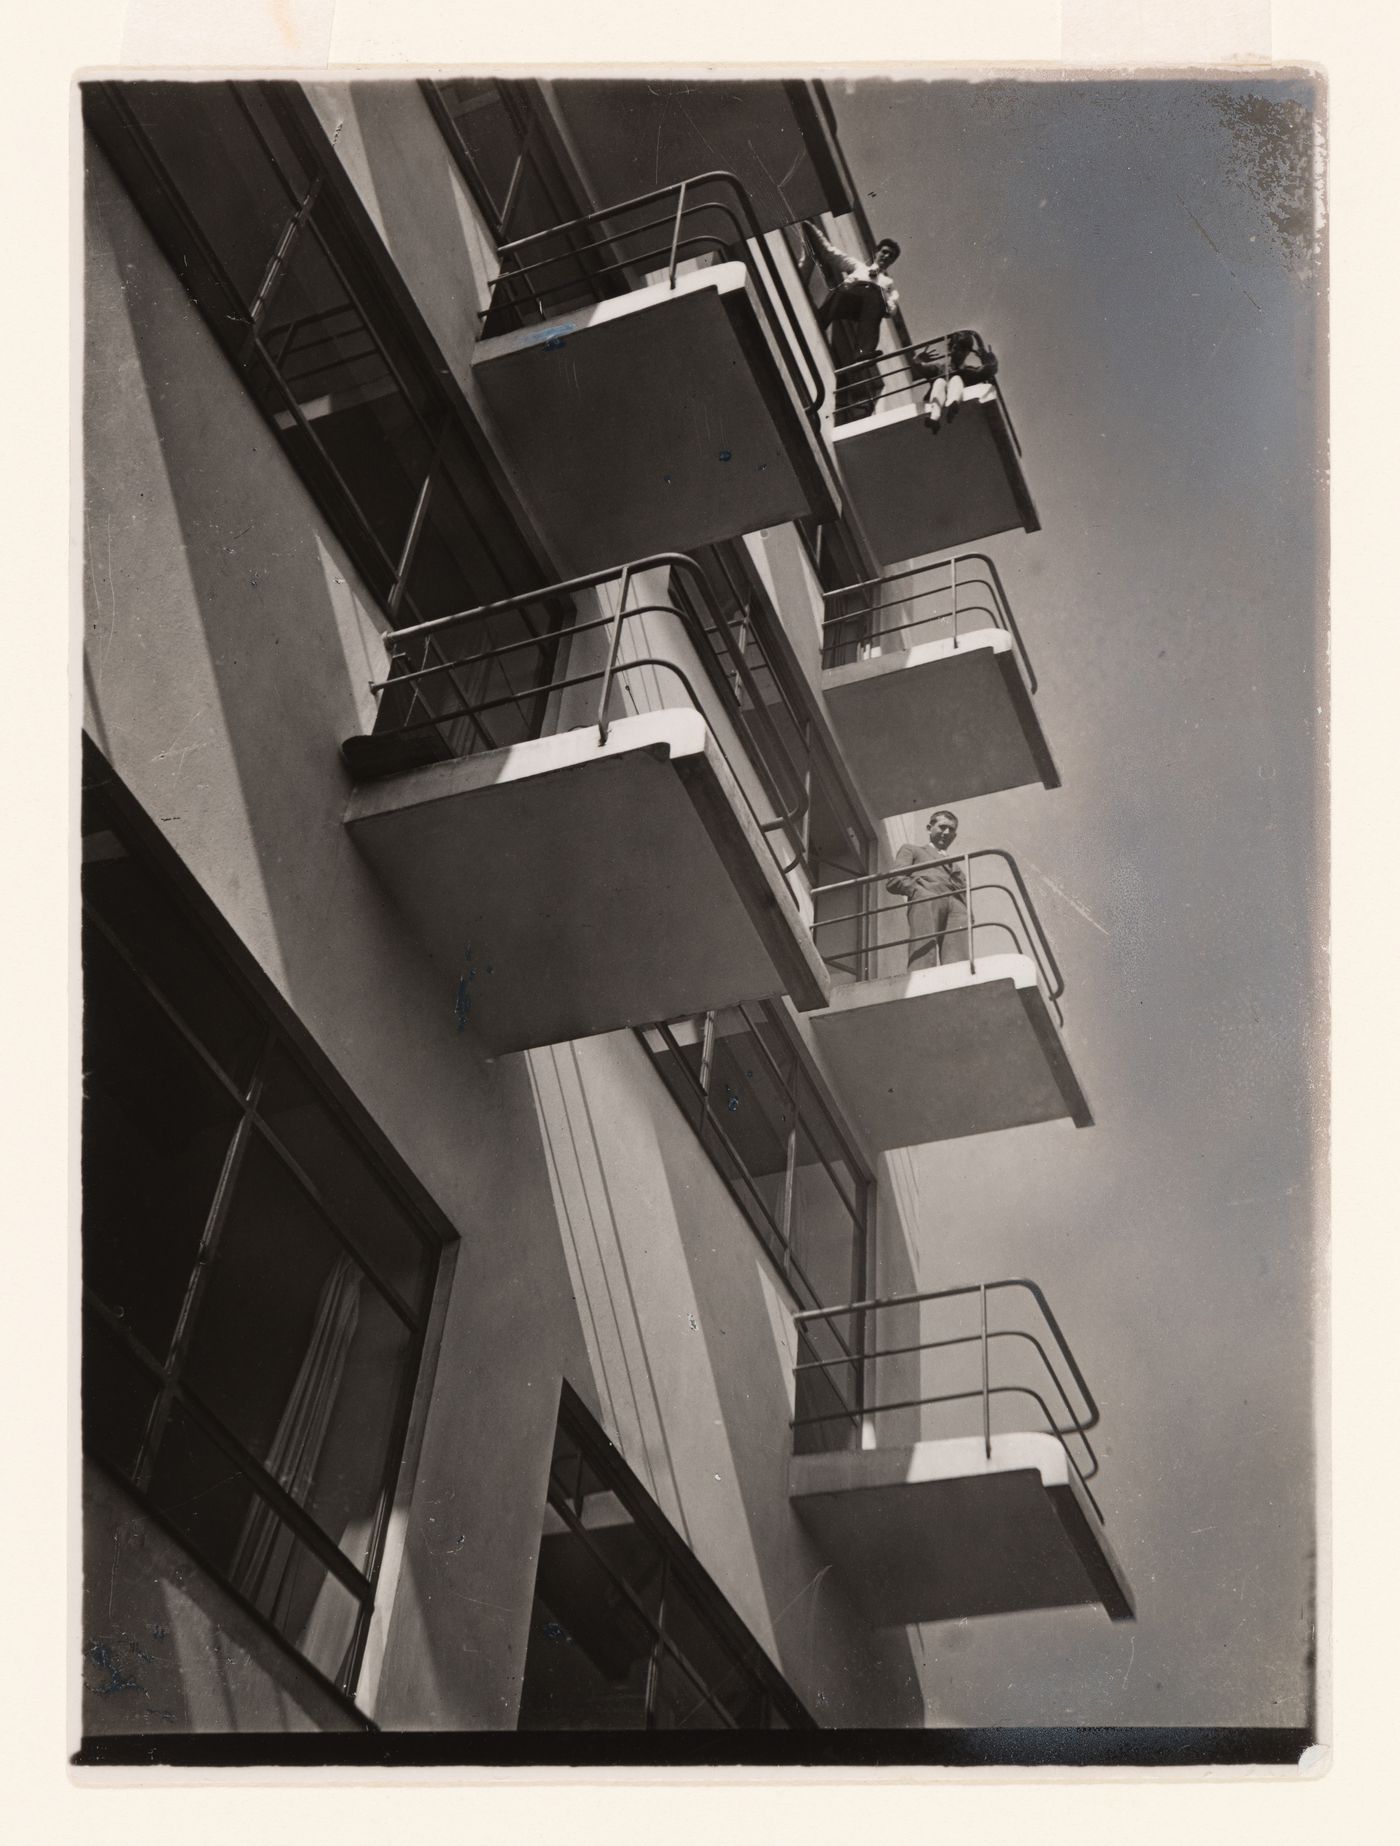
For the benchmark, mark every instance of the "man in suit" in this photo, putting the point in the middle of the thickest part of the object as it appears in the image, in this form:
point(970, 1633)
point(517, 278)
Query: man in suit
point(863, 294)
point(936, 895)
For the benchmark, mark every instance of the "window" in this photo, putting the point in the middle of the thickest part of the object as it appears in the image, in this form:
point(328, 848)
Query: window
point(255, 1280)
point(742, 1083)
point(246, 196)
point(499, 138)
point(627, 1631)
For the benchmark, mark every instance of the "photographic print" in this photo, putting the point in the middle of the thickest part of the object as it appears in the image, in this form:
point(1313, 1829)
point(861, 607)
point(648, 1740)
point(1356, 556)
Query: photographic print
point(704, 918)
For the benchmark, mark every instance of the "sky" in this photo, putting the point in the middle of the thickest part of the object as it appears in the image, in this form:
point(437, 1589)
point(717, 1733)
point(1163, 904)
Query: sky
point(1141, 257)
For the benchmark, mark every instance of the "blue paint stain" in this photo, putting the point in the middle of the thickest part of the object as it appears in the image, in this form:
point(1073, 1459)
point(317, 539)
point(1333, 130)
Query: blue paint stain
point(553, 1632)
point(102, 1657)
point(551, 338)
point(726, 455)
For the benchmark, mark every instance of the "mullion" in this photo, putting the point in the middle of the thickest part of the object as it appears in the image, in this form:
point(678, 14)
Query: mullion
point(393, 1461)
point(198, 1280)
point(265, 1485)
point(269, 1489)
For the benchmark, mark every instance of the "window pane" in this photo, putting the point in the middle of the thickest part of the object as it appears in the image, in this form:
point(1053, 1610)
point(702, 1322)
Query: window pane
point(156, 1130)
point(202, 135)
point(363, 1207)
point(212, 1504)
point(338, 372)
point(569, 1688)
point(824, 1229)
point(597, 1596)
point(488, 133)
point(118, 1394)
point(167, 945)
point(296, 1351)
point(734, 1696)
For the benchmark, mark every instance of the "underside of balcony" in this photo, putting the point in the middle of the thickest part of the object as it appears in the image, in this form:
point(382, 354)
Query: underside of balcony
point(918, 492)
point(568, 887)
point(948, 1051)
point(938, 1531)
point(939, 722)
point(659, 420)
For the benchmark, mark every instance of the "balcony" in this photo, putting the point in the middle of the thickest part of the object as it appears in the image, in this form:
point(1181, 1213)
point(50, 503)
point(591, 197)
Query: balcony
point(944, 1018)
point(650, 379)
point(775, 137)
point(590, 820)
point(916, 492)
point(928, 686)
point(942, 1461)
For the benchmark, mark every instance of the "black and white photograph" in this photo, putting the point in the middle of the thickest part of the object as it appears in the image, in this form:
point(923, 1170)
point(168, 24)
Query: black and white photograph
point(704, 980)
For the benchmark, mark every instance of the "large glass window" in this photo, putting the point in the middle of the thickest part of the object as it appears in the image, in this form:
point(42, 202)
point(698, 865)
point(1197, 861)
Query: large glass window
point(246, 197)
point(627, 1631)
point(255, 1281)
point(741, 1080)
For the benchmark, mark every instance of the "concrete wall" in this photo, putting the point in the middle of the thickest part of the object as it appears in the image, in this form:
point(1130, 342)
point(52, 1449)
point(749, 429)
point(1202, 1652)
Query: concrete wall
point(690, 1346)
point(228, 649)
point(166, 1650)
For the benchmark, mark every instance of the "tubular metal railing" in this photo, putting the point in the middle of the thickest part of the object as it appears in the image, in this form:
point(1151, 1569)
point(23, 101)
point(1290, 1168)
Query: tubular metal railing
point(421, 667)
point(608, 252)
point(860, 1408)
point(901, 372)
point(958, 940)
point(955, 591)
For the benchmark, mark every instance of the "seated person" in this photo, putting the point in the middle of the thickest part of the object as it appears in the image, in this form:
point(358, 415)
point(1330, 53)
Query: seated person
point(963, 359)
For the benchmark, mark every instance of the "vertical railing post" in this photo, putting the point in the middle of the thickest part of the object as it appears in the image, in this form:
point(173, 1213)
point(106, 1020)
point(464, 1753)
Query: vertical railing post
point(967, 905)
point(986, 1378)
point(953, 567)
point(676, 233)
point(612, 657)
point(865, 1373)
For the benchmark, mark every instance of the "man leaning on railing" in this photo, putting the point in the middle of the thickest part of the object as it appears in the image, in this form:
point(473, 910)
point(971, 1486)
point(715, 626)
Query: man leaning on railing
point(861, 293)
point(935, 891)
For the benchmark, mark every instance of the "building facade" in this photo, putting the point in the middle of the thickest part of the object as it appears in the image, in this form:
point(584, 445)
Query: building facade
point(518, 612)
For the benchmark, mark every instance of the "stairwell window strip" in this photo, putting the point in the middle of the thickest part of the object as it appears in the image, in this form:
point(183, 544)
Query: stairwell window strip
point(235, 181)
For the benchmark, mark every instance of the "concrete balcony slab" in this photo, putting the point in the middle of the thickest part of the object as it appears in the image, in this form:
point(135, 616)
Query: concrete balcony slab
point(938, 723)
point(655, 421)
point(916, 492)
point(936, 1532)
point(943, 1052)
point(577, 888)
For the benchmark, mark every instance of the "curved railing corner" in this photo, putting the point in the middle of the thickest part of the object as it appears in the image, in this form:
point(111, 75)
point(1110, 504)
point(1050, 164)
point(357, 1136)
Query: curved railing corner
point(597, 255)
point(861, 1352)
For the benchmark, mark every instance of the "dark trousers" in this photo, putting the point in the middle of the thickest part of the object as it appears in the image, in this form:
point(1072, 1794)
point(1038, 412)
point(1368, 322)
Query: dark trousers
point(861, 306)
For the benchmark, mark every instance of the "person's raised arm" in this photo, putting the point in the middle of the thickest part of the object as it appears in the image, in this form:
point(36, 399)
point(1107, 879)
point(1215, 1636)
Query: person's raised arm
point(834, 263)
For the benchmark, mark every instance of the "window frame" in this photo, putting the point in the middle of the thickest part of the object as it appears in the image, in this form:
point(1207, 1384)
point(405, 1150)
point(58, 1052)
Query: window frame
point(606, 1462)
point(803, 1084)
point(281, 1032)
